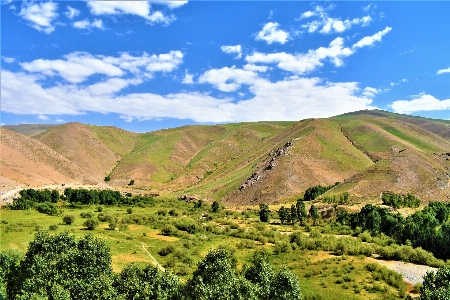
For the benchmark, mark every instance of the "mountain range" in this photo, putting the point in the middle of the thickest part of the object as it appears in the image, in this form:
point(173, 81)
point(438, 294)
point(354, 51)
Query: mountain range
point(367, 152)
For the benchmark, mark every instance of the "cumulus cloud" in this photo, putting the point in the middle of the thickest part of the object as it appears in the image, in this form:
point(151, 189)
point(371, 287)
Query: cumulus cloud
point(326, 24)
point(288, 99)
point(40, 15)
point(443, 71)
point(370, 40)
point(42, 117)
point(188, 78)
point(85, 24)
point(72, 12)
point(228, 79)
point(78, 66)
point(233, 49)
point(304, 62)
point(422, 102)
point(138, 8)
point(271, 34)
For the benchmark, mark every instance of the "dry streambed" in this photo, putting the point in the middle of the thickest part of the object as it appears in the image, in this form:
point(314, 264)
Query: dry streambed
point(412, 273)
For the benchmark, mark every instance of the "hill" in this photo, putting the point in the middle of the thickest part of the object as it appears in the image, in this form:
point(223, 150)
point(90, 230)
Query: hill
point(29, 129)
point(26, 161)
point(368, 152)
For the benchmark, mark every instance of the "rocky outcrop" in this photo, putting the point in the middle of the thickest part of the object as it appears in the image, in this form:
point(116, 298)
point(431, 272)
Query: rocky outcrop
point(269, 165)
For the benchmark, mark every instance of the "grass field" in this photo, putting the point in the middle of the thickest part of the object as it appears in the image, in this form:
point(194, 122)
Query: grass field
point(138, 238)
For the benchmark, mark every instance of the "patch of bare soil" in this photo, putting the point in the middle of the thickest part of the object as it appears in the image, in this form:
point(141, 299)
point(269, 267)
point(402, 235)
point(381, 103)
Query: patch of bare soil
point(411, 273)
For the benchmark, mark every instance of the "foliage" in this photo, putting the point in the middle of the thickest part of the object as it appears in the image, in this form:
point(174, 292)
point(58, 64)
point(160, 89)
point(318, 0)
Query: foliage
point(91, 224)
point(264, 213)
point(436, 286)
point(131, 182)
point(146, 282)
point(314, 214)
point(61, 265)
point(315, 191)
point(215, 207)
point(398, 201)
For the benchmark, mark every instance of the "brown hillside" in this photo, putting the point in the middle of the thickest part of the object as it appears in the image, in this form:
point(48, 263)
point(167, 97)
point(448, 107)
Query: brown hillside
point(30, 162)
point(82, 144)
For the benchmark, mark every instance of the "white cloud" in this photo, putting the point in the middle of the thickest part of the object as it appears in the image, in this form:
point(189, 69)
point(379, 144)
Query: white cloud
point(443, 71)
point(289, 99)
point(228, 79)
point(41, 15)
point(304, 62)
point(271, 34)
point(233, 49)
point(138, 8)
point(369, 7)
point(8, 60)
point(370, 40)
point(326, 24)
point(72, 12)
point(78, 66)
point(42, 117)
point(370, 92)
point(424, 102)
point(85, 24)
point(172, 4)
point(188, 78)
point(308, 14)
point(255, 68)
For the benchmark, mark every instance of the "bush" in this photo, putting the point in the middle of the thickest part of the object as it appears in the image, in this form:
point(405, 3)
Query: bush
point(91, 224)
point(169, 230)
point(86, 215)
point(68, 219)
point(129, 210)
point(99, 208)
point(166, 250)
point(53, 227)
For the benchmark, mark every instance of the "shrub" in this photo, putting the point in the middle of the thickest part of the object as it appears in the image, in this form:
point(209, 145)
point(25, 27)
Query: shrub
point(86, 215)
point(53, 227)
point(68, 219)
point(99, 208)
point(166, 250)
point(169, 230)
point(91, 224)
point(129, 210)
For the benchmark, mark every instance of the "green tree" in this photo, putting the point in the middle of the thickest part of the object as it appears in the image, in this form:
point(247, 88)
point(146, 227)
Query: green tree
point(216, 279)
point(215, 206)
point(146, 282)
point(283, 214)
point(264, 213)
point(436, 286)
point(293, 214)
point(373, 221)
point(301, 211)
point(260, 273)
point(314, 214)
point(61, 267)
point(68, 219)
point(91, 224)
point(285, 286)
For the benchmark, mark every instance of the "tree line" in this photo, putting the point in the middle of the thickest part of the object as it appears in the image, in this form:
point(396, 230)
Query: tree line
point(62, 267)
point(45, 200)
point(427, 228)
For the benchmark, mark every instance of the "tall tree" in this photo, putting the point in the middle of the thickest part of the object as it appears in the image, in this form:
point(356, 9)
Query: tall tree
point(314, 214)
point(436, 286)
point(264, 213)
point(60, 264)
point(301, 212)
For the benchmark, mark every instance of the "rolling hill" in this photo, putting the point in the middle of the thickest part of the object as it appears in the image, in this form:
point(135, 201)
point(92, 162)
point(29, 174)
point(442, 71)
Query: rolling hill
point(368, 152)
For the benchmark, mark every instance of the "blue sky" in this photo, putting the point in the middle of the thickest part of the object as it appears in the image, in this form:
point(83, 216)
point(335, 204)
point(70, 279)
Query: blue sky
point(144, 66)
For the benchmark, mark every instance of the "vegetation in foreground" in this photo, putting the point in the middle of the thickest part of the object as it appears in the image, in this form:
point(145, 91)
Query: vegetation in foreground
point(179, 235)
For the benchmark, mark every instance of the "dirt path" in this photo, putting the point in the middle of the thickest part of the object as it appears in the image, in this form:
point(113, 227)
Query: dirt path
point(153, 258)
point(412, 273)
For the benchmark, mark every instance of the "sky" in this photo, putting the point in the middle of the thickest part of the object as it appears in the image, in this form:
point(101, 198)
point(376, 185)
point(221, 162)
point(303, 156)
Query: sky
point(149, 65)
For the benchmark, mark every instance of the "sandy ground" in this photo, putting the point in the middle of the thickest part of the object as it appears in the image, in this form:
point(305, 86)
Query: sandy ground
point(412, 273)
